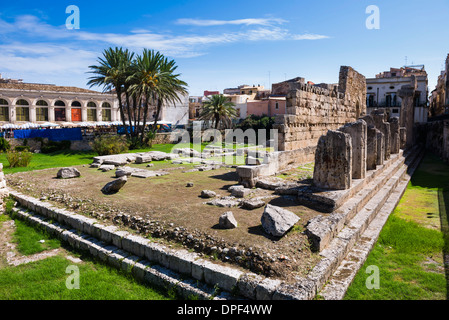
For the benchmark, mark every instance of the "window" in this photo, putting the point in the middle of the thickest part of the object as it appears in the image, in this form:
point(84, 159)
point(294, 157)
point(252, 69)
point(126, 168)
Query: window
point(41, 103)
point(41, 114)
point(91, 105)
point(22, 102)
point(60, 103)
point(3, 102)
point(106, 105)
point(76, 104)
point(4, 113)
point(106, 115)
point(23, 114)
point(395, 110)
point(277, 106)
point(238, 112)
point(91, 114)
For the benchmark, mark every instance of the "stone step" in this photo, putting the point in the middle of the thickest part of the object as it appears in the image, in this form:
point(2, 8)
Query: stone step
point(328, 201)
point(322, 229)
point(143, 270)
point(173, 266)
point(345, 240)
point(339, 282)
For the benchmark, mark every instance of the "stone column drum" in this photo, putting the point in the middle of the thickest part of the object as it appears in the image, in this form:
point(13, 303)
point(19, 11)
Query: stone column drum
point(333, 161)
point(395, 143)
point(358, 132)
point(371, 148)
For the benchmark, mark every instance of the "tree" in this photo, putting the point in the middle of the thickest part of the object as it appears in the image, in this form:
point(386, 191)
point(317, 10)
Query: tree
point(112, 73)
point(148, 80)
point(156, 83)
point(218, 108)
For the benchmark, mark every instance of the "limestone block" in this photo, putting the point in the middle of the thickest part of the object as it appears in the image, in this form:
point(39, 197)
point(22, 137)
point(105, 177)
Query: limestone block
point(358, 132)
point(371, 148)
point(403, 137)
point(333, 161)
point(380, 147)
point(395, 143)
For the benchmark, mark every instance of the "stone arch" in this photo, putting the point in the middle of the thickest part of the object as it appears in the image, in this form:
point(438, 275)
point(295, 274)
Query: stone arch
point(39, 102)
point(23, 99)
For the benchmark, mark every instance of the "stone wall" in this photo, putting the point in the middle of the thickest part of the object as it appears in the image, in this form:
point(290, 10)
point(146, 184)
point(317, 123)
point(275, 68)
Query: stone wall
point(312, 110)
point(435, 135)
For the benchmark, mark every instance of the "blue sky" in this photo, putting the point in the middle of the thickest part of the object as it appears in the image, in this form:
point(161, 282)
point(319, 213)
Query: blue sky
point(221, 44)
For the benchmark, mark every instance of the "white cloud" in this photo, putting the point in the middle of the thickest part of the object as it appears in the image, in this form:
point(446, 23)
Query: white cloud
point(247, 22)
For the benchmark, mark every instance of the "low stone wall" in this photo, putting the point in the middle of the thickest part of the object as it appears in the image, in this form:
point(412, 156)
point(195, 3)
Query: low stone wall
point(435, 136)
point(181, 261)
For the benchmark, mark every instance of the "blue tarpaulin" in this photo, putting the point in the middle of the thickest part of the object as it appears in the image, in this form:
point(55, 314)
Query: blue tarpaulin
point(51, 134)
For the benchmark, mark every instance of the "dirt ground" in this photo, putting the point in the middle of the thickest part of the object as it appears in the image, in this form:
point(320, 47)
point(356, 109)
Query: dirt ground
point(171, 206)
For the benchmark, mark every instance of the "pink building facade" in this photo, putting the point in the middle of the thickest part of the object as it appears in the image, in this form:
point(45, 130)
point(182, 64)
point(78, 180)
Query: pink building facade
point(269, 107)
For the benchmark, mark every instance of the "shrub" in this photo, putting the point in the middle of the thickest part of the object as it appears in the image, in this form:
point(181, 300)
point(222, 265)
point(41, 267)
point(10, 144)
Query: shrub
point(21, 148)
point(19, 159)
point(106, 145)
point(53, 146)
point(4, 144)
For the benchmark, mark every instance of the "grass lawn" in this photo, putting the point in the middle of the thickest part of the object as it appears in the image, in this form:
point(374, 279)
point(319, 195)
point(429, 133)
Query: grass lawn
point(414, 243)
point(73, 158)
point(46, 279)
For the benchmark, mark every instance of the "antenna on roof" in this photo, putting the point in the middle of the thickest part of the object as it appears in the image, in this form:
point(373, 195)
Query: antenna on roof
point(405, 61)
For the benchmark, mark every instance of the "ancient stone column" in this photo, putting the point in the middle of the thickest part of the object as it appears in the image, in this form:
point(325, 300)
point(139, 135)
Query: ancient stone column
point(333, 161)
point(395, 143)
point(371, 148)
point(407, 94)
point(384, 127)
point(358, 131)
point(403, 137)
point(380, 147)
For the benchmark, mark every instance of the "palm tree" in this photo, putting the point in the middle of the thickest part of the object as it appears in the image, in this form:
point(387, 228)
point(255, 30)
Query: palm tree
point(154, 82)
point(218, 108)
point(112, 73)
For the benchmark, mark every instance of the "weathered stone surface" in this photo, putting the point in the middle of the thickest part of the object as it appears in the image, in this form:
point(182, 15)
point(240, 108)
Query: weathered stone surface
point(115, 185)
point(395, 135)
point(124, 171)
point(358, 131)
point(252, 204)
point(333, 161)
point(224, 202)
point(384, 127)
point(252, 161)
point(371, 148)
point(227, 221)
point(68, 173)
point(142, 173)
point(403, 137)
point(241, 192)
point(145, 158)
point(208, 194)
point(380, 147)
point(107, 167)
point(277, 221)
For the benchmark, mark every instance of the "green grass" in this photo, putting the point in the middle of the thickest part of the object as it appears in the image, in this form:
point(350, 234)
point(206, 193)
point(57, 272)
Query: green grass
point(410, 250)
point(46, 280)
point(51, 160)
point(28, 239)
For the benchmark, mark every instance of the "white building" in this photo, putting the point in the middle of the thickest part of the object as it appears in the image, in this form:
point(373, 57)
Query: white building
point(382, 91)
point(37, 103)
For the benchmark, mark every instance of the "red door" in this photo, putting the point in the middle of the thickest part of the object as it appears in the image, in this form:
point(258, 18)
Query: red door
point(76, 114)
